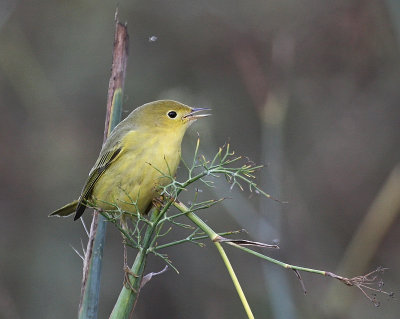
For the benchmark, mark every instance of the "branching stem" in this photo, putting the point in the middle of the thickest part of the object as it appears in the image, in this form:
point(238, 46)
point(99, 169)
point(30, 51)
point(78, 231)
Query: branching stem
point(147, 231)
point(214, 237)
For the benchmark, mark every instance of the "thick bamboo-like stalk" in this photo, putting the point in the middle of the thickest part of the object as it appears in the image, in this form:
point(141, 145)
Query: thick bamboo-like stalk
point(90, 288)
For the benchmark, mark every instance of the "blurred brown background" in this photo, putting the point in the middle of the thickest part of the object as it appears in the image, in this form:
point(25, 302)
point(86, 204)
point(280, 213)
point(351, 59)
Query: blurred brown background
point(310, 88)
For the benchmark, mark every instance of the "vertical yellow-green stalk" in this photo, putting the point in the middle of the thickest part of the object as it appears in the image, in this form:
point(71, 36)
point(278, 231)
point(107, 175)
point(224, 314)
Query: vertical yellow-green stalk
point(214, 237)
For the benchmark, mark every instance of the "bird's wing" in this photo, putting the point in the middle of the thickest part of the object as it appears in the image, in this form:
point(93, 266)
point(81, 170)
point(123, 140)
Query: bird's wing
point(103, 162)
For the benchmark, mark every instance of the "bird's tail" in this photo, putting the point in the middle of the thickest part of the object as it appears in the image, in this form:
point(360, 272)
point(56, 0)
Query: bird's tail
point(66, 210)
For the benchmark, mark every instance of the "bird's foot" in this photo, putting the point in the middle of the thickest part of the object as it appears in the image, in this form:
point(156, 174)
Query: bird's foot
point(128, 272)
point(158, 202)
point(127, 280)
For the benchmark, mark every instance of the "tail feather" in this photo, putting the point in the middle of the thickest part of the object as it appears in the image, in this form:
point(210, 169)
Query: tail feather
point(80, 208)
point(66, 210)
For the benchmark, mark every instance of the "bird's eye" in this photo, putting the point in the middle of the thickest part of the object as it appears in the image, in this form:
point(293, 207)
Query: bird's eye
point(172, 114)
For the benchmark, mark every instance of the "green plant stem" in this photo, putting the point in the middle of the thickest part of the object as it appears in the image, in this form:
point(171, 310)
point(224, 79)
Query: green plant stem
point(279, 263)
point(363, 282)
point(234, 278)
point(128, 295)
point(214, 236)
point(192, 239)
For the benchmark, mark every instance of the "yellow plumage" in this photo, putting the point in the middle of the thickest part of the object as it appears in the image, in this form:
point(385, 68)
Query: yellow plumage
point(135, 176)
point(128, 168)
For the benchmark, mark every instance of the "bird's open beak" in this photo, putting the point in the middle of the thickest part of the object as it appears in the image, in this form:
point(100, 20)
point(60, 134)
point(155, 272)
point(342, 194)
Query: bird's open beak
point(193, 116)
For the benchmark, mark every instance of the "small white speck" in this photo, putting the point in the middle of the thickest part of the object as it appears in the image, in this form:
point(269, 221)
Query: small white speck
point(153, 38)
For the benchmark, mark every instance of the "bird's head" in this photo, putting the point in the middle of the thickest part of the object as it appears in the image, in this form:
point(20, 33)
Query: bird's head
point(166, 114)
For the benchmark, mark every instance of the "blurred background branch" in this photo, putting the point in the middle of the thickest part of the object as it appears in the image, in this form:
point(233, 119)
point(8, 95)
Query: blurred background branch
point(366, 241)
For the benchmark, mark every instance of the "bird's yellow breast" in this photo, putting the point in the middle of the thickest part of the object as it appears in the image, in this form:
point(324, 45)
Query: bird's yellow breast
point(134, 179)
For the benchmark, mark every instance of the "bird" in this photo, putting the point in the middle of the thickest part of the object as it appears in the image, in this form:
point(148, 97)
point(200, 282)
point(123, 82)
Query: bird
point(137, 158)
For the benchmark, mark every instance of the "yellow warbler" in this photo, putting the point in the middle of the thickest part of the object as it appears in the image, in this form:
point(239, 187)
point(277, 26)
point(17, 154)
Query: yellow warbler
point(132, 158)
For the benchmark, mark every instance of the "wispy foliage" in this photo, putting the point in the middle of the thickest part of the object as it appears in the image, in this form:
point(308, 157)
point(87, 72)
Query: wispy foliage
point(148, 234)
